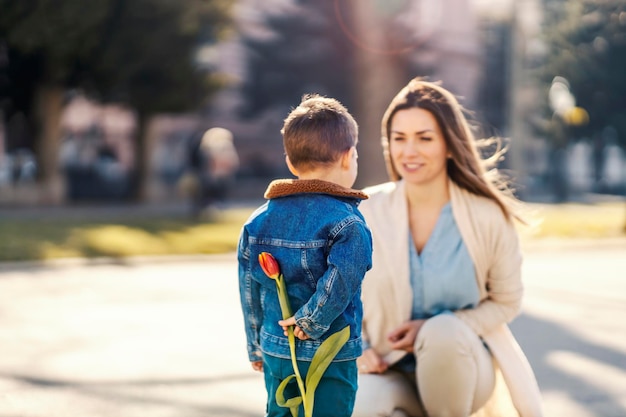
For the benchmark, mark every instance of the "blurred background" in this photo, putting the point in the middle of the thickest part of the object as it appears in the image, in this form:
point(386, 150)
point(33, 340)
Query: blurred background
point(151, 103)
point(132, 128)
point(102, 102)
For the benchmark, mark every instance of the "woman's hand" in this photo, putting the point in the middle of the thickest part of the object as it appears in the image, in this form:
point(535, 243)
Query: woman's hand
point(403, 337)
point(297, 331)
point(371, 363)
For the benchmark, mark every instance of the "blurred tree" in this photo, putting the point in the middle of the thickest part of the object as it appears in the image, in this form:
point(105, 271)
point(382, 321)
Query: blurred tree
point(140, 52)
point(492, 92)
point(296, 49)
point(585, 43)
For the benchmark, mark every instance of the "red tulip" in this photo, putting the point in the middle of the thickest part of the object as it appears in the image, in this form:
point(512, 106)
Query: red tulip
point(269, 265)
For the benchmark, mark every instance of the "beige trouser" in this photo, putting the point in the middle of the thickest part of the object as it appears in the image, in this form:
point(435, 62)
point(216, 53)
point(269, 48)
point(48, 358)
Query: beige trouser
point(454, 376)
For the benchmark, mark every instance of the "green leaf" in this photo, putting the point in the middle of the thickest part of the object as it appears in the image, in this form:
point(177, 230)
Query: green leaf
point(292, 403)
point(320, 362)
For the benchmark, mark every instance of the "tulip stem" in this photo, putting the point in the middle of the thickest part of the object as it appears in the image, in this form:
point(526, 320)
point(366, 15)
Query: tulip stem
point(286, 310)
point(296, 370)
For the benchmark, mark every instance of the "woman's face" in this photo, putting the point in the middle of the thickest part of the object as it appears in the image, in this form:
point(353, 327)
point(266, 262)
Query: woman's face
point(417, 147)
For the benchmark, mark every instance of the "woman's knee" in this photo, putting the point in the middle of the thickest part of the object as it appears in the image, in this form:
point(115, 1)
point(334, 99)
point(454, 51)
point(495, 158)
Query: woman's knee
point(452, 355)
point(446, 332)
point(379, 395)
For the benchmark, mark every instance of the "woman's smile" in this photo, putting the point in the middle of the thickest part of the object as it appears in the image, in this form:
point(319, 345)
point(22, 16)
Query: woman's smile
point(412, 167)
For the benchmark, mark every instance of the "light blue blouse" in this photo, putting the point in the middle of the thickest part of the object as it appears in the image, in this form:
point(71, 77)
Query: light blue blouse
point(442, 275)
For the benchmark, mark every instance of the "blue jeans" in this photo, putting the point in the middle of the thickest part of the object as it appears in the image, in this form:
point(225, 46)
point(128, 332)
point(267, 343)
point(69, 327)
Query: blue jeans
point(334, 396)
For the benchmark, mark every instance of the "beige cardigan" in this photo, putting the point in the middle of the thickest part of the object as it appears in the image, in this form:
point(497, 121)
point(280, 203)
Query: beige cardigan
point(494, 247)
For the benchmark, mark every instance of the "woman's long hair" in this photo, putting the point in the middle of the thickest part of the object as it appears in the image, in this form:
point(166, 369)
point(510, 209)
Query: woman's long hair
point(465, 167)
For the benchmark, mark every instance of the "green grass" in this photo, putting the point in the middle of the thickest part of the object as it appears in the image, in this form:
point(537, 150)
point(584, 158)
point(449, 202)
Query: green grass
point(602, 220)
point(66, 238)
point(62, 238)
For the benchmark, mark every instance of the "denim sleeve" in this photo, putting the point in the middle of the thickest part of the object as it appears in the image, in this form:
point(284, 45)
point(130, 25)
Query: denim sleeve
point(249, 291)
point(350, 256)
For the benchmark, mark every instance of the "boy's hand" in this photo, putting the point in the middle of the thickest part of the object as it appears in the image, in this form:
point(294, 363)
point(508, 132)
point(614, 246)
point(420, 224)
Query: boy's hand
point(257, 366)
point(298, 332)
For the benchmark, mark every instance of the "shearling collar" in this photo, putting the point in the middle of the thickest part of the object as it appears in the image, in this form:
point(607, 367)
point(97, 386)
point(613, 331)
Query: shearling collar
point(283, 188)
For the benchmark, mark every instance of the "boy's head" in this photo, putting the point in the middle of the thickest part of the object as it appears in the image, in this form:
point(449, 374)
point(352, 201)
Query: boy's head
point(318, 133)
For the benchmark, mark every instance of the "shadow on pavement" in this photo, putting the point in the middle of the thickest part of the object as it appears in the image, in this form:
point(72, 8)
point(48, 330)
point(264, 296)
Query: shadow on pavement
point(107, 390)
point(541, 339)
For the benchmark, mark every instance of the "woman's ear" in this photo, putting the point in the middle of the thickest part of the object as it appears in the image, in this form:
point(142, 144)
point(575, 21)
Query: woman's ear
point(292, 169)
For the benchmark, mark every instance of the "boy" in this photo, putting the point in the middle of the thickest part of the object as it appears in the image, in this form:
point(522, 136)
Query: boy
point(312, 227)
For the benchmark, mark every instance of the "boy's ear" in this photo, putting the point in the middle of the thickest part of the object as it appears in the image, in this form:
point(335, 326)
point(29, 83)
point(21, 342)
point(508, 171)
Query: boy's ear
point(292, 169)
point(346, 158)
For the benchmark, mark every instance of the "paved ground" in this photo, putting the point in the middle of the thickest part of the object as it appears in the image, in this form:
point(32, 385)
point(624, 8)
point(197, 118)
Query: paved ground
point(164, 338)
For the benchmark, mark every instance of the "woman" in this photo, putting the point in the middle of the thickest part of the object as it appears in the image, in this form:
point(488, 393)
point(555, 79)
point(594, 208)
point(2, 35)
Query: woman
point(446, 273)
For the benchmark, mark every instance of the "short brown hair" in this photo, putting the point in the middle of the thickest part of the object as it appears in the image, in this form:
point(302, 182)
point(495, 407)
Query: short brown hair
point(318, 132)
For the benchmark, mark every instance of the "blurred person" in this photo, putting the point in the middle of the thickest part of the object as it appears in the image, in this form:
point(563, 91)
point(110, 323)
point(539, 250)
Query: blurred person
point(21, 166)
point(214, 163)
point(446, 275)
point(313, 228)
point(217, 144)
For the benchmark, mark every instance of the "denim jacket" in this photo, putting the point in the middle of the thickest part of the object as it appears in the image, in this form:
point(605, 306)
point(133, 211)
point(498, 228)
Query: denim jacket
point(323, 247)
